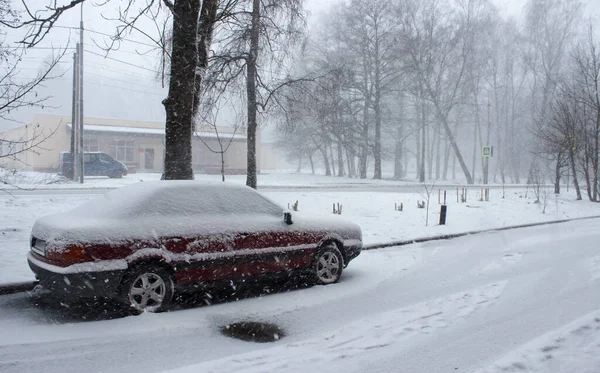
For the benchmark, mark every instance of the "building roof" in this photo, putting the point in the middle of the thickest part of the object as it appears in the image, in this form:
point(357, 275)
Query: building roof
point(154, 131)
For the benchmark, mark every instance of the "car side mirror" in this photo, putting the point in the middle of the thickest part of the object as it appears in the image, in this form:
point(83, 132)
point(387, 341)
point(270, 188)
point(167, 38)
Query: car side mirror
point(287, 217)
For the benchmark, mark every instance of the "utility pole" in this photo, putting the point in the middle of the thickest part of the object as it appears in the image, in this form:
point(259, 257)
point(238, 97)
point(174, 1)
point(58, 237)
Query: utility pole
point(76, 112)
point(487, 160)
point(74, 116)
point(80, 70)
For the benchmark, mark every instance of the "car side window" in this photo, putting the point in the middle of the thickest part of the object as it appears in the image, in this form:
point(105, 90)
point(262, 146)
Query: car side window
point(104, 158)
point(247, 202)
point(90, 158)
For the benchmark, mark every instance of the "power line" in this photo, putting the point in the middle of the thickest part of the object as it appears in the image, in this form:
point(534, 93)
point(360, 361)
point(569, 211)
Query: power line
point(127, 89)
point(121, 61)
point(123, 81)
point(109, 35)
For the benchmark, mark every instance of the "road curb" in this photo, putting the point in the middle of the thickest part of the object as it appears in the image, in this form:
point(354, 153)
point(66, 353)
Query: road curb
point(16, 287)
point(462, 234)
point(19, 287)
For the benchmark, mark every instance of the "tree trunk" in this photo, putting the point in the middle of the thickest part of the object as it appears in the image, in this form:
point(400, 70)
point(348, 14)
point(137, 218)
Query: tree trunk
point(364, 151)
point(474, 160)
point(454, 167)
point(222, 164)
point(299, 168)
point(438, 155)
point(557, 173)
point(596, 159)
point(423, 143)
point(586, 170)
point(430, 148)
point(446, 159)
point(350, 161)
point(179, 104)
point(206, 25)
point(340, 160)
point(312, 164)
point(398, 150)
point(377, 107)
point(326, 161)
point(418, 151)
point(574, 170)
point(251, 93)
point(332, 158)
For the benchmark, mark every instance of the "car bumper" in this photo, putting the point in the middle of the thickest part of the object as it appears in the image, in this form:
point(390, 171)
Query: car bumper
point(66, 284)
point(353, 249)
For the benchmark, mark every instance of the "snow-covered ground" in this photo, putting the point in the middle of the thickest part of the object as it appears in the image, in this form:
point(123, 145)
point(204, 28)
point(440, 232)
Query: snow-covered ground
point(524, 300)
point(45, 181)
point(572, 348)
point(372, 210)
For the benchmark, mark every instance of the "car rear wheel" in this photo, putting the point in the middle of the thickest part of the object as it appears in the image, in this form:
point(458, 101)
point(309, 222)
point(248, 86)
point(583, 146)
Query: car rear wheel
point(148, 289)
point(116, 175)
point(328, 265)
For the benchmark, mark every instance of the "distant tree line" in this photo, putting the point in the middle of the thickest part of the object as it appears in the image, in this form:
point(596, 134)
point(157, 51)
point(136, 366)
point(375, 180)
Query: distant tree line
point(422, 85)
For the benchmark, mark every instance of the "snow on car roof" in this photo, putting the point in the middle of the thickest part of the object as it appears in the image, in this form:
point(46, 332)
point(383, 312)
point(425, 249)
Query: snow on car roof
point(181, 197)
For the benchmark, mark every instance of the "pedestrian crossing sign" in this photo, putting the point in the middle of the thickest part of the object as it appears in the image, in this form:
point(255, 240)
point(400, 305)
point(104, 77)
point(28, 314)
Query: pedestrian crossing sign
point(487, 151)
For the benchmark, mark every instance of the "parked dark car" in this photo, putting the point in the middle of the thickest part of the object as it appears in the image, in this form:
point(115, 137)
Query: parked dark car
point(94, 164)
point(141, 243)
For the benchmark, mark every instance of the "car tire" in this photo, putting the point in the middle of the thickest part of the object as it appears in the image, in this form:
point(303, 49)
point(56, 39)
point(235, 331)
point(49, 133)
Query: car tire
point(327, 265)
point(116, 175)
point(147, 288)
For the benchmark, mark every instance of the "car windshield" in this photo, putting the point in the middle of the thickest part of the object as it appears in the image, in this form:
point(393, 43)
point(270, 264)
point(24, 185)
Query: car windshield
point(153, 198)
point(300, 185)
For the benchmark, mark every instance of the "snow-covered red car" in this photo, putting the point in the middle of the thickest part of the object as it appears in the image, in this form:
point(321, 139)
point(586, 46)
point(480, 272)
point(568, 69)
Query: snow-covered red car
point(143, 242)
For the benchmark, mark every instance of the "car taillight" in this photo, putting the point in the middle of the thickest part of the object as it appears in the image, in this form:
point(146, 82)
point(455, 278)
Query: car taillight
point(70, 255)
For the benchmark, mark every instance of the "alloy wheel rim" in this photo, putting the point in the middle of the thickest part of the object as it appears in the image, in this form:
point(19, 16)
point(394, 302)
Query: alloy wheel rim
point(328, 267)
point(147, 292)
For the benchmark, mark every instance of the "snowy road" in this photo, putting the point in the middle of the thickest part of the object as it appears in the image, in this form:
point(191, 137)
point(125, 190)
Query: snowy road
point(76, 189)
point(526, 300)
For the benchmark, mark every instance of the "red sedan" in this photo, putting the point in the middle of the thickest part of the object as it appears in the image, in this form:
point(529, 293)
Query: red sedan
point(143, 242)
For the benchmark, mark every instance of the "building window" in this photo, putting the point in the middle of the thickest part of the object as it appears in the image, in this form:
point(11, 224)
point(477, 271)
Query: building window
point(123, 150)
point(90, 144)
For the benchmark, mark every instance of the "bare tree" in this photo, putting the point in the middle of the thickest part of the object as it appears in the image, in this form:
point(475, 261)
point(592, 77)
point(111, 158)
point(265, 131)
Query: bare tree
point(187, 38)
point(207, 116)
point(17, 92)
point(586, 92)
point(439, 45)
point(426, 190)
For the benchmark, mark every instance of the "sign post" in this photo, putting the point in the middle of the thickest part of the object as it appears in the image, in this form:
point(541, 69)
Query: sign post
point(487, 151)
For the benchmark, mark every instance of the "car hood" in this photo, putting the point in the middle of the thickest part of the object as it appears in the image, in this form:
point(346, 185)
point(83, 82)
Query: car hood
point(70, 227)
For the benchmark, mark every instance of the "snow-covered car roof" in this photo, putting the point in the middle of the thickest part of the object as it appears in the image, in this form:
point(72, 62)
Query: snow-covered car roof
point(178, 197)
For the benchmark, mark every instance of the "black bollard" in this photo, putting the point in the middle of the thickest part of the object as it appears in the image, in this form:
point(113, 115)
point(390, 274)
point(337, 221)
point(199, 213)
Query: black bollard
point(443, 211)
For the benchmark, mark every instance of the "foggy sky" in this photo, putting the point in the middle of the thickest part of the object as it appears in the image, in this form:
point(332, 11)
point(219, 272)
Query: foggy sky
point(117, 90)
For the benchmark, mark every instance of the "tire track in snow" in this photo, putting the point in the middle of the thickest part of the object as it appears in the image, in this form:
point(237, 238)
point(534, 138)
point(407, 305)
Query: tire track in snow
point(384, 330)
point(572, 348)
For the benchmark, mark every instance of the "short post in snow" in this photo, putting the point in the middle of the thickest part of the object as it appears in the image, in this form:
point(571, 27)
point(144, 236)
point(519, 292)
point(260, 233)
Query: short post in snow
point(443, 211)
point(338, 210)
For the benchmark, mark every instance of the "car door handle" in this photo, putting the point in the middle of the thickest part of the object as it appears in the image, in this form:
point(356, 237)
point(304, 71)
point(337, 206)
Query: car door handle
point(244, 235)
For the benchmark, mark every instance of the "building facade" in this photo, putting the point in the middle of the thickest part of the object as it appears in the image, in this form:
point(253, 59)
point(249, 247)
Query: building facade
point(139, 145)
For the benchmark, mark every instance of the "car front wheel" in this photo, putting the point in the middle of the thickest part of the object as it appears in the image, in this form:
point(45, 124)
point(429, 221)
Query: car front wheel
point(148, 289)
point(328, 265)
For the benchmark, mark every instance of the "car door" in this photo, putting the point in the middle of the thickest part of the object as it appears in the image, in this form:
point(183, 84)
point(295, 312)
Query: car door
point(92, 162)
point(265, 243)
point(205, 257)
point(277, 247)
